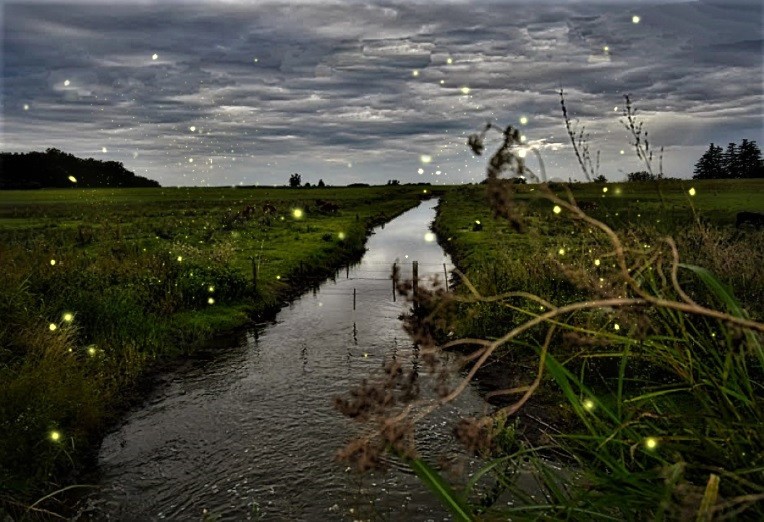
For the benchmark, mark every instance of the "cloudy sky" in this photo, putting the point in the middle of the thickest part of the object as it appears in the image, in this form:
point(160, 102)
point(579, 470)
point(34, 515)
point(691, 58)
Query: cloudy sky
point(224, 93)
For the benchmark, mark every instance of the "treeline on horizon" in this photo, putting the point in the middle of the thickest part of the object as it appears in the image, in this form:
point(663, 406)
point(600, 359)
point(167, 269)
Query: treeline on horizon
point(57, 169)
point(736, 162)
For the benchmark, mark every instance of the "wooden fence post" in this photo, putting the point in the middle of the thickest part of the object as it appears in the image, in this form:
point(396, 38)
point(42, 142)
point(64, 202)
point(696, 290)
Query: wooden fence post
point(254, 274)
point(353, 298)
point(416, 283)
point(393, 278)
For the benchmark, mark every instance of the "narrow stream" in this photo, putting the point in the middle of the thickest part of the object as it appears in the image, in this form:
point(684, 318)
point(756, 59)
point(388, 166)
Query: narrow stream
point(252, 434)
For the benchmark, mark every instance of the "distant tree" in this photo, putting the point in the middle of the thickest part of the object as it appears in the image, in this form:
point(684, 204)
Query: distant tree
point(295, 180)
point(730, 163)
point(711, 164)
point(307, 184)
point(600, 179)
point(642, 175)
point(393, 182)
point(321, 183)
point(750, 164)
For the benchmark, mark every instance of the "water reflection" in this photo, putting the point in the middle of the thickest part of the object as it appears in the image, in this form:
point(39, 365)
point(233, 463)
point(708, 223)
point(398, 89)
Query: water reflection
point(253, 433)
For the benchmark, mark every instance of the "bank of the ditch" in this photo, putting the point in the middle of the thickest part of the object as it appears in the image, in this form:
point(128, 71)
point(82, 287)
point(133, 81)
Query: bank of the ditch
point(101, 289)
point(630, 395)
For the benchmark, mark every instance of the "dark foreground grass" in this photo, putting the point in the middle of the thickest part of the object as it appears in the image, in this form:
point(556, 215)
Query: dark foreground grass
point(98, 285)
point(655, 410)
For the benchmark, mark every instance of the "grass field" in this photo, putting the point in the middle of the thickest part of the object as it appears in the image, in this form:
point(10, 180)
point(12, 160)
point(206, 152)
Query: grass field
point(98, 284)
point(657, 409)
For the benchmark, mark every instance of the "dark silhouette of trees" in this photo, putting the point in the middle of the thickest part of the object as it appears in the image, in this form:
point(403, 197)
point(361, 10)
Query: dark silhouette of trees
point(57, 169)
point(737, 161)
point(295, 180)
point(321, 183)
point(393, 182)
point(600, 179)
point(642, 175)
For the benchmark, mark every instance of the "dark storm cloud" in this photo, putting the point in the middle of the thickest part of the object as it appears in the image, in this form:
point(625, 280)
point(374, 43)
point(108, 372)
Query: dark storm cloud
point(349, 91)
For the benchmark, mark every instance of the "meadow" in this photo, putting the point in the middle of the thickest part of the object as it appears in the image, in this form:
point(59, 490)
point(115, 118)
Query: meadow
point(628, 359)
point(100, 286)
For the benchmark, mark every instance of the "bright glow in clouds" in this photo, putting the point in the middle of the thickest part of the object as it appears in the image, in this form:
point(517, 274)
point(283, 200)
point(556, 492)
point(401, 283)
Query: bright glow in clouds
point(522, 152)
point(449, 61)
point(524, 120)
point(414, 73)
point(192, 128)
point(154, 56)
point(465, 90)
point(66, 83)
point(635, 19)
point(26, 106)
point(429, 237)
point(425, 158)
point(420, 171)
point(103, 149)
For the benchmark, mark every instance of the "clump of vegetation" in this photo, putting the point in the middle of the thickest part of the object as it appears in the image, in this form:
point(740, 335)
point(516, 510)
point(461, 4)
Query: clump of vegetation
point(629, 383)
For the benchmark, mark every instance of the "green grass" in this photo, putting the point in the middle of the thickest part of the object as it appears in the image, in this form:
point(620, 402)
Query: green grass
point(656, 412)
point(146, 274)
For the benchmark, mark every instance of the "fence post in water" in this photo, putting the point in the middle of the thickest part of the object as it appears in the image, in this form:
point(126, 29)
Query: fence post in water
point(254, 274)
point(353, 298)
point(416, 284)
point(445, 274)
point(347, 271)
point(393, 278)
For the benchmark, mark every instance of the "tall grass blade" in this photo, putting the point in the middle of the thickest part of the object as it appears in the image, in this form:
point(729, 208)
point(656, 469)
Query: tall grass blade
point(442, 490)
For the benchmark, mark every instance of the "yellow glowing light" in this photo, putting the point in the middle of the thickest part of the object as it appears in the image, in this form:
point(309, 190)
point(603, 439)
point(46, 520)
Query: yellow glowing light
point(55, 436)
point(523, 138)
point(72, 179)
point(66, 83)
point(52, 327)
point(588, 405)
point(449, 61)
point(635, 19)
point(425, 158)
point(617, 192)
point(561, 251)
point(365, 354)
point(180, 258)
point(604, 189)
point(606, 49)
point(442, 82)
point(522, 153)
point(424, 191)
point(256, 60)
point(26, 106)
point(477, 221)
point(192, 128)
point(616, 327)
point(557, 209)
point(154, 56)
point(68, 317)
point(465, 90)
point(596, 262)
point(691, 191)
point(414, 73)
point(104, 150)
point(211, 289)
point(341, 235)
point(297, 213)
point(420, 171)
point(52, 262)
point(622, 152)
point(651, 443)
point(92, 350)
point(211, 300)
point(190, 160)
point(429, 237)
point(278, 277)
point(524, 120)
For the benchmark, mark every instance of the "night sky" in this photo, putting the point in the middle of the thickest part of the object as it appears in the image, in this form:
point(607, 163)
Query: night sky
point(228, 93)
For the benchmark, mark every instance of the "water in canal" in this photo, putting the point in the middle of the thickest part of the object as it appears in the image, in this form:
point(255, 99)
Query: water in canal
point(253, 433)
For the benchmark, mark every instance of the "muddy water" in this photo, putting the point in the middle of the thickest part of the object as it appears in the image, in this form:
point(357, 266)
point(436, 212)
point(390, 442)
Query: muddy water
point(252, 433)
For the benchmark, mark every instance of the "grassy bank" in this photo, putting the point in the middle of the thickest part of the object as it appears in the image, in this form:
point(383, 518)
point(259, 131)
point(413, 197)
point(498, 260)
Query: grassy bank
point(98, 285)
point(655, 408)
